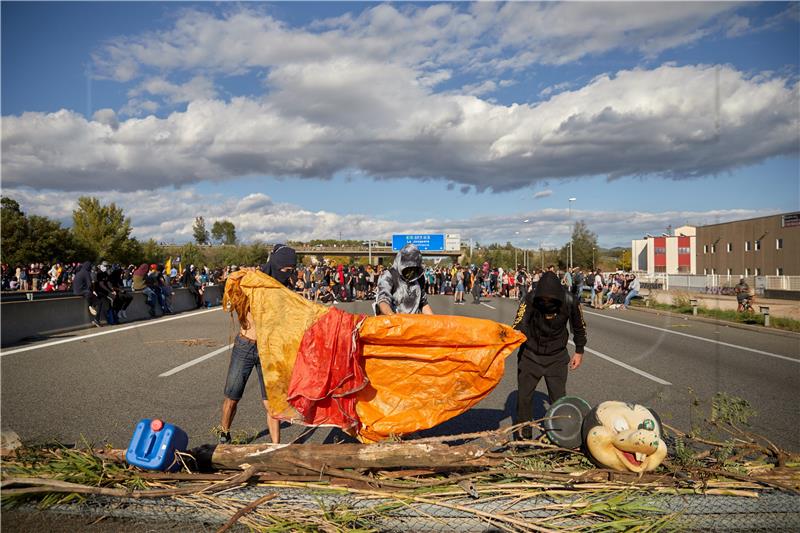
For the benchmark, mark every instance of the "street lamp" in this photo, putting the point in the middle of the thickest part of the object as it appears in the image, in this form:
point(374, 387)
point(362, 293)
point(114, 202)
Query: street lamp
point(593, 249)
point(571, 232)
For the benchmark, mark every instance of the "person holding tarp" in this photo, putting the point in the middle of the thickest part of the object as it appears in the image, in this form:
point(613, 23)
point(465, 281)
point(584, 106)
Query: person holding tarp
point(400, 288)
point(245, 356)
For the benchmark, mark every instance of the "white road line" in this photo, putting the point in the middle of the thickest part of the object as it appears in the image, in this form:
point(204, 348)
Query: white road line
point(106, 332)
point(625, 366)
point(195, 361)
point(698, 338)
point(489, 306)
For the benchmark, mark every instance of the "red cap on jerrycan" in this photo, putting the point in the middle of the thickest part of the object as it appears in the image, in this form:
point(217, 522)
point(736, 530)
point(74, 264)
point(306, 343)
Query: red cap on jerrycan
point(157, 424)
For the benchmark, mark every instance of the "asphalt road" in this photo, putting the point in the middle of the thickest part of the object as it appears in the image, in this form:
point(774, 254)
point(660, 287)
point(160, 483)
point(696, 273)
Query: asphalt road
point(94, 385)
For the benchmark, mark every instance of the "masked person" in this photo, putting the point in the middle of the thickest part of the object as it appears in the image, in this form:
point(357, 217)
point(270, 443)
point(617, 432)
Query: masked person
point(400, 288)
point(244, 356)
point(543, 317)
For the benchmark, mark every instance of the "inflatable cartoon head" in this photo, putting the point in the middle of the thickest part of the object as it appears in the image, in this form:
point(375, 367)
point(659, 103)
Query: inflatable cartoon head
point(624, 436)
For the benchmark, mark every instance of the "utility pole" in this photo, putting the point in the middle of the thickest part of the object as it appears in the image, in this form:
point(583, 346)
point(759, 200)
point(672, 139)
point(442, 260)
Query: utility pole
point(572, 230)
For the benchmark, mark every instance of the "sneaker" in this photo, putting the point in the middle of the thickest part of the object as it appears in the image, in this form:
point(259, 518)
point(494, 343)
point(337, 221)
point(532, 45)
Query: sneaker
point(123, 314)
point(97, 323)
point(225, 437)
point(92, 310)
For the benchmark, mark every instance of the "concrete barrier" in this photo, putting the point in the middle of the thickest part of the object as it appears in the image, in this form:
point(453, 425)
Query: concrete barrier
point(25, 319)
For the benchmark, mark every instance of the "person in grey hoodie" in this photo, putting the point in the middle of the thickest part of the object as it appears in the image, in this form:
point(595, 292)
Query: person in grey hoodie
point(400, 288)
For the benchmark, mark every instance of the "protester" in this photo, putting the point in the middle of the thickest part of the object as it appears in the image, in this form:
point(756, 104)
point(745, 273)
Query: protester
point(543, 317)
point(399, 288)
point(244, 356)
point(82, 285)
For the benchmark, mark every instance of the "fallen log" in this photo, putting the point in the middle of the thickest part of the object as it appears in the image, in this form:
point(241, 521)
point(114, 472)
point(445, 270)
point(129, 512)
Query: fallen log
point(283, 458)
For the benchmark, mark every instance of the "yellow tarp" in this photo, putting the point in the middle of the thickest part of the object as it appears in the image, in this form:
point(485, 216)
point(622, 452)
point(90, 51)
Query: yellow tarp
point(423, 369)
point(281, 318)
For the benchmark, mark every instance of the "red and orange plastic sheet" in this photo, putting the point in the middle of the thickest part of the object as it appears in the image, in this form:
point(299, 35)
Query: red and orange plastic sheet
point(373, 376)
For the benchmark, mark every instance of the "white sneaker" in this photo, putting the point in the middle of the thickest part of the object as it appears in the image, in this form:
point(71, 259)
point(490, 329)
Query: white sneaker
point(123, 314)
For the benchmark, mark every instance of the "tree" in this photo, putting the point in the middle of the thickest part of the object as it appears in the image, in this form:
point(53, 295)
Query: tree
point(36, 238)
point(224, 232)
point(152, 252)
point(14, 232)
point(191, 255)
point(583, 241)
point(102, 229)
point(624, 261)
point(199, 230)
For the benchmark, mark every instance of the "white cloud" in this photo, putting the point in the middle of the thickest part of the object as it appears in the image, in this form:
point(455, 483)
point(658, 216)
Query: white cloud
point(167, 215)
point(340, 115)
point(542, 194)
point(476, 36)
point(198, 88)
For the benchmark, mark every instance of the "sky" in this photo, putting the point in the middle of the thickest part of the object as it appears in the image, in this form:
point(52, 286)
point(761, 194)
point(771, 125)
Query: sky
point(300, 121)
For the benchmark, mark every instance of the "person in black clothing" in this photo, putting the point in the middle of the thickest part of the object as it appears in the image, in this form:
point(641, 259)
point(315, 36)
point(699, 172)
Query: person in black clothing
point(477, 286)
point(104, 290)
point(121, 298)
point(82, 285)
point(543, 316)
point(189, 280)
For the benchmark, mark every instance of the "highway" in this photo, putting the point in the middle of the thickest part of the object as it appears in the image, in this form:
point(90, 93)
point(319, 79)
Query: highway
point(94, 385)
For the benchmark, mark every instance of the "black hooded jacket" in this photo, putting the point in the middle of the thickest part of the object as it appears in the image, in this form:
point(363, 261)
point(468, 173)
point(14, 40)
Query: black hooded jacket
point(549, 336)
point(82, 283)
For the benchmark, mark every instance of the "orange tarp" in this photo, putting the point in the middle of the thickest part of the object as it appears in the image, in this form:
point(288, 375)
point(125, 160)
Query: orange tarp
point(426, 369)
point(422, 369)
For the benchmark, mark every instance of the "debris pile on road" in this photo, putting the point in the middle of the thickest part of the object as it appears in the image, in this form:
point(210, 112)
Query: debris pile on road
point(486, 478)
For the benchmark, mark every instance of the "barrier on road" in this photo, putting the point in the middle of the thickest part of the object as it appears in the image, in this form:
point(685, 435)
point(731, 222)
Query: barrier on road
point(38, 318)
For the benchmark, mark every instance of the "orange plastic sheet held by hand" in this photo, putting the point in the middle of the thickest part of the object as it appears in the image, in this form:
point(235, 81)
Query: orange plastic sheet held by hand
point(424, 370)
point(281, 319)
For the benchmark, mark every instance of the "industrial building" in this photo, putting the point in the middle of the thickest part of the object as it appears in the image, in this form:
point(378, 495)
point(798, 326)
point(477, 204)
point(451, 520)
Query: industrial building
point(763, 246)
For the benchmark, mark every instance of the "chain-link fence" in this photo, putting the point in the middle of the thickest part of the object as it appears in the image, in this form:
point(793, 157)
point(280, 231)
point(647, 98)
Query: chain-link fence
point(765, 510)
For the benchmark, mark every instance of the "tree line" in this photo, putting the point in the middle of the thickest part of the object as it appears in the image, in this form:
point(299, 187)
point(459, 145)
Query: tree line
point(103, 232)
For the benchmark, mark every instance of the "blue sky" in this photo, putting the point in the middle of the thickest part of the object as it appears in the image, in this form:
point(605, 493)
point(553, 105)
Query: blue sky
point(307, 120)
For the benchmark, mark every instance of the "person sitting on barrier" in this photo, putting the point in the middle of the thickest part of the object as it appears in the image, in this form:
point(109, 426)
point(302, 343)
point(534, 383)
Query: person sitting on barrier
point(104, 291)
point(400, 289)
point(121, 298)
point(82, 285)
point(164, 289)
point(189, 280)
point(633, 290)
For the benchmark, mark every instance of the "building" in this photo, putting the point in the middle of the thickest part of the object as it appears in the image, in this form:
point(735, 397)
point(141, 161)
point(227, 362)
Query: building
point(763, 246)
point(668, 254)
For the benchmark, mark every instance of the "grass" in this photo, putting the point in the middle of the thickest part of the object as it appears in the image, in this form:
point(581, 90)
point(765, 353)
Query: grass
point(757, 319)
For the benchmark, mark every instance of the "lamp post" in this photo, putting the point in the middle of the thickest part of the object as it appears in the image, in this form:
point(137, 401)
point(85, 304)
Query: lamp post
point(571, 232)
point(593, 249)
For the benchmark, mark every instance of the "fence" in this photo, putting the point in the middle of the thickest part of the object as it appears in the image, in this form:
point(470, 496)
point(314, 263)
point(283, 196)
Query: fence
point(718, 283)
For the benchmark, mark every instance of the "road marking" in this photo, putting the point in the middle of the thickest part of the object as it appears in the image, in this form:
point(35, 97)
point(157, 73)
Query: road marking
point(489, 306)
point(625, 365)
point(195, 361)
point(698, 338)
point(106, 332)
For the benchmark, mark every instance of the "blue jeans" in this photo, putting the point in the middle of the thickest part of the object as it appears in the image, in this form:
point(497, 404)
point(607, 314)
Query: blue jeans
point(244, 357)
point(631, 295)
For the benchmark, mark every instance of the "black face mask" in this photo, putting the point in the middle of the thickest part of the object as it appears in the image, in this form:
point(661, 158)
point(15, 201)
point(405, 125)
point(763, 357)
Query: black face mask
point(411, 273)
point(285, 278)
point(547, 306)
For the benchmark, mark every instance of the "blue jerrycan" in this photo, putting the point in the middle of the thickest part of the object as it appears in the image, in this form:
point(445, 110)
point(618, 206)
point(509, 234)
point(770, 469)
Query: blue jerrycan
point(154, 444)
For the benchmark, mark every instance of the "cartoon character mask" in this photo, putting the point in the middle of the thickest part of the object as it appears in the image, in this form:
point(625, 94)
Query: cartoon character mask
point(624, 436)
